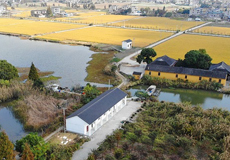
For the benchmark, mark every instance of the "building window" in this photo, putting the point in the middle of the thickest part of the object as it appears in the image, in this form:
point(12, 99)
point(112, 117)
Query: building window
point(186, 77)
point(149, 73)
point(219, 80)
point(159, 73)
point(91, 125)
point(200, 78)
point(210, 79)
point(176, 75)
point(87, 129)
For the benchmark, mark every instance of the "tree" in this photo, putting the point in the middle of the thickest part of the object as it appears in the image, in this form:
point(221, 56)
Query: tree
point(49, 12)
point(168, 14)
point(27, 153)
point(7, 70)
point(195, 59)
point(6, 147)
point(90, 92)
point(32, 139)
point(146, 55)
point(33, 74)
point(37, 144)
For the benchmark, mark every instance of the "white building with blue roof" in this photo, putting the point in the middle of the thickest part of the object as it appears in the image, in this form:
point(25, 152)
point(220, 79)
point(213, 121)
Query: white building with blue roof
point(93, 115)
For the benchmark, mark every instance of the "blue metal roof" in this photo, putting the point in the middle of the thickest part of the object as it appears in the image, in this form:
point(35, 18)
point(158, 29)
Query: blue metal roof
point(98, 106)
point(222, 66)
point(164, 60)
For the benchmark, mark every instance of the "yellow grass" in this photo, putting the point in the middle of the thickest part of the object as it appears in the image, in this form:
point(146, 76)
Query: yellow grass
point(23, 14)
point(28, 27)
point(214, 30)
point(110, 36)
point(96, 19)
point(158, 23)
point(217, 47)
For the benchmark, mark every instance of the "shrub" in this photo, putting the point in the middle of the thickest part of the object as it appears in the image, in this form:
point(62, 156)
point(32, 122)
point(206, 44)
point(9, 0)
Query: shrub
point(118, 153)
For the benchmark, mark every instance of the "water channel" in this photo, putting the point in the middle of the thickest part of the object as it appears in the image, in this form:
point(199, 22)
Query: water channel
point(206, 99)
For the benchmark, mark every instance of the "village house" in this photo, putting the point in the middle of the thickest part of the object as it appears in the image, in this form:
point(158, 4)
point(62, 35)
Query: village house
point(196, 11)
point(163, 69)
point(93, 115)
point(127, 44)
point(113, 9)
point(3, 10)
point(56, 10)
point(38, 13)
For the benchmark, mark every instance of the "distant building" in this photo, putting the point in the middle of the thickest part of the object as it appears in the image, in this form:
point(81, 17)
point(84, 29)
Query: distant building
point(89, 118)
point(56, 10)
point(38, 13)
point(3, 10)
point(195, 11)
point(113, 9)
point(215, 14)
point(127, 44)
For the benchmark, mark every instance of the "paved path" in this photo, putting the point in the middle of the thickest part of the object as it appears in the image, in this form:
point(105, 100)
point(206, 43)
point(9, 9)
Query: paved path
point(60, 31)
point(105, 130)
point(124, 80)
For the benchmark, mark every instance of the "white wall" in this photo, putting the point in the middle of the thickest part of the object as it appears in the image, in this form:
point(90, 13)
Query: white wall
point(126, 45)
point(76, 125)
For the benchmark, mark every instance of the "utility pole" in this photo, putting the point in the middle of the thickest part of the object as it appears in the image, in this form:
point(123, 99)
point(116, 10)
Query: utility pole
point(109, 84)
point(64, 118)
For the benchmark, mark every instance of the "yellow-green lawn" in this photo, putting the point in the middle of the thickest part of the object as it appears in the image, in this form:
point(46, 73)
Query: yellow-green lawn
point(217, 47)
point(29, 27)
point(214, 30)
point(109, 36)
point(158, 23)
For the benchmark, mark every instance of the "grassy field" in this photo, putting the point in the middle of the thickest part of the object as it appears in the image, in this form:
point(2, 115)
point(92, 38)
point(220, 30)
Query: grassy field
point(98, 18)
point(217, 47)
point(109, 36)
point(96, 66)
point(158, 23)
point(27, 27)
point(214, 30)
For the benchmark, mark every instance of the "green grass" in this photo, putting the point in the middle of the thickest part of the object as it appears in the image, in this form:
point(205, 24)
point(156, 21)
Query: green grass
point(115, 60)
point(96, 66)
point(49, 78)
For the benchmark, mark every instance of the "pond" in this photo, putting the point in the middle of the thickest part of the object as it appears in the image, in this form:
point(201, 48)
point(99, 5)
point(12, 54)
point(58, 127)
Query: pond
point(206, 99)
point(68, 62)
point(10, 124)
